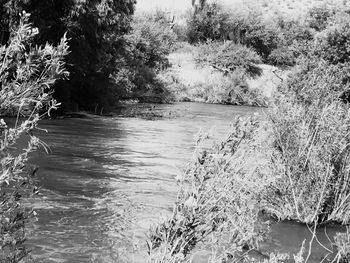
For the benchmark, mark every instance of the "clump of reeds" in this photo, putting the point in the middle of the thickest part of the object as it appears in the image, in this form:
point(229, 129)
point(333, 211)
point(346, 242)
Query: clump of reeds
point(311, 150)
point(218, 197)
point(342, 243)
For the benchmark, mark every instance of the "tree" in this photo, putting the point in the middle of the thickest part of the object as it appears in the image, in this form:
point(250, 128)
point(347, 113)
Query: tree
point(97, 50)
point(95, 29)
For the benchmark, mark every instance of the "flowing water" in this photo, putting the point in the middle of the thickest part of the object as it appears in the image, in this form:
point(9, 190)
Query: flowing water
point(107, 179)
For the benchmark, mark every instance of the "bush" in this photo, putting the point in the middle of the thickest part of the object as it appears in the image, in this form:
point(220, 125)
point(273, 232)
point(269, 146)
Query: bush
point(209, 23)
point(214, 23)
point(333, 44)
point(315, 79)
point(152, 39)
point(149, 45)
point(296, 36)
point(292, 31)
point(259, 36)
point(228, 57)
point(282, 57)
point(318, 16)
point(232, 89)
point(26, 76)
point(180, 32)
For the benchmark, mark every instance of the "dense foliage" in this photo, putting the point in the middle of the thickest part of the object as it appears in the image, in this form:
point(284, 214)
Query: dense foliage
point(209, 23)
point(333, 44)
point(148, 46)
point(318, 17)
point(213, 22)
point(304, 148)
point(27, 75)
point(282, 56)
point(94, 30)
point(310, 127)
point(302, 172)
point(228, 57)
point(260, 36)
point(310, 123)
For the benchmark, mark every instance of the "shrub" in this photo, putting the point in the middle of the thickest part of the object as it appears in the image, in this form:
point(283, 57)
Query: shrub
point(318, 16)
point(315, 79)
point(180, 32)
point(213, 23)
point(282, 57)
point(235, 90)
point(149, 45)
point(232, 89)
point(296, 36)
point(152, 39)
point(209, 23)
point(333, 44)
point(228, 57)
point(26, 76)
point(292, 31)
point(259, 36)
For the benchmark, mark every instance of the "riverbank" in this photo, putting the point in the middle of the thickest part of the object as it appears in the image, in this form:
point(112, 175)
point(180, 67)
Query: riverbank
point(231, 207)
point(149, 111)
point(188, 81)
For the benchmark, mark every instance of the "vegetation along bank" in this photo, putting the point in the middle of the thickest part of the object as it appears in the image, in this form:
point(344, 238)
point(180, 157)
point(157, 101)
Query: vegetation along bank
point(92, 55)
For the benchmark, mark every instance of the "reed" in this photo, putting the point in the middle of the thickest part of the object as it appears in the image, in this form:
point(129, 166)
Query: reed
point(218, 200)
point(310, 157)
point(27, 74)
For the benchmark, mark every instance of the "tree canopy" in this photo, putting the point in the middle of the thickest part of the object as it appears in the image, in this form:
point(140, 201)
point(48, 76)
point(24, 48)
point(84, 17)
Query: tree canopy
point(95, 30)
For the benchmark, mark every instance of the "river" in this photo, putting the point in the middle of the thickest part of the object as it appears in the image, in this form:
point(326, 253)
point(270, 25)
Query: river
point(105, 180)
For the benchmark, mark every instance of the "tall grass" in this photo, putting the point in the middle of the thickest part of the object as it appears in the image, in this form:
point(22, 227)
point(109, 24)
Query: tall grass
point(310, 128)
point(311, 161)
point(342, 242)
point(218, 200)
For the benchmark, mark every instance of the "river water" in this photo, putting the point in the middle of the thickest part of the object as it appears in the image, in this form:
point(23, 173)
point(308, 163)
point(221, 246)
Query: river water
point(107, 179)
